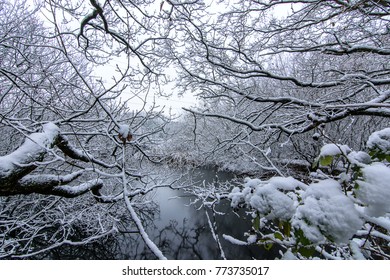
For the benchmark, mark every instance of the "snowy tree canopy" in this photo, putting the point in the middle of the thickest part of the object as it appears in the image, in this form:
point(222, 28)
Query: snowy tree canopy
point(65, 133)
point(292, 95)
point(331, 210)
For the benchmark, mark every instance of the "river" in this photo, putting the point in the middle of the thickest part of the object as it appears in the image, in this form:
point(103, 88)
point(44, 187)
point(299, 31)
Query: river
point(180, 229)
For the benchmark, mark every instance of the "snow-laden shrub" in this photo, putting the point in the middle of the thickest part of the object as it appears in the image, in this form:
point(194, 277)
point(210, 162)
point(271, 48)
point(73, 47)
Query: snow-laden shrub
point(374, 189)
point(326, 212)
point(379, 143)
point(269, 198)
point(338, 215)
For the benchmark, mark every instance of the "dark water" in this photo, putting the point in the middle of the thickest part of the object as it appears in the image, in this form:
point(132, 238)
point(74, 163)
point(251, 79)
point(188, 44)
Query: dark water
point(180, 229)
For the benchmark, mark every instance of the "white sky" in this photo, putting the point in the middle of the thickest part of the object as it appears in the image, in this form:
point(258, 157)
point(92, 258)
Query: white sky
point(172, 104)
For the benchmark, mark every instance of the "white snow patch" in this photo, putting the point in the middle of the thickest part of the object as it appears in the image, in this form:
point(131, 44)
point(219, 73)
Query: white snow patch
point(316, 135)
point(380, 140)
point(251, 183)
point(75, 190)
point(344, 177)
point(50, 130)
point(287, 184)
point(326, 211)
point(374, 191)
point(42, 179)
point(288, 255)
point(382, 222)
point(334, 150)
point(236, 197)
point(252, 238)
point(272, 203)
point(124, 130)
point(355, 250)
point(31, 149)
point(359, 157)
point(272, 198)
point(233, 240)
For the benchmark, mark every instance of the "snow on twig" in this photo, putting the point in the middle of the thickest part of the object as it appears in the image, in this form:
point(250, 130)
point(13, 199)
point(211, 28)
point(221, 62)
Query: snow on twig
point(233, 240)
point(215, 236)
point(149, 243)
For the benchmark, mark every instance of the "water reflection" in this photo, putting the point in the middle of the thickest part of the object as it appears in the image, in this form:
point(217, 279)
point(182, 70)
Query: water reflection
point(180, 229)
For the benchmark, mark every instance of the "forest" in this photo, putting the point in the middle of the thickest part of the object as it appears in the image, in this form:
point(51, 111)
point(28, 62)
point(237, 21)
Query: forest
point(285, 155)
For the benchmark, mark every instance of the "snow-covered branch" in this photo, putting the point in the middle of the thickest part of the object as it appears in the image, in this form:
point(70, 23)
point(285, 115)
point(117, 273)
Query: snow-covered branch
point(24, 159)
point(16, 167)
point(68, 149)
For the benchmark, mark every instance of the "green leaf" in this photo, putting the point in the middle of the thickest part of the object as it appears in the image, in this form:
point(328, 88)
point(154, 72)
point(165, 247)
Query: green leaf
point(287, 229)
point(256, 223)
point(278, 235)
point(268, 246)
point(280, 224)
point(301, 238)
point(379, 154)
point(356, 186)
point(307, 252)
point(326, 160)
point(315, 164)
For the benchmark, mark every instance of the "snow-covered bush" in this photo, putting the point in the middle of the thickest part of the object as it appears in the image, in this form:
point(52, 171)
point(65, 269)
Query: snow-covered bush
point(326, 213)
point(340, 215)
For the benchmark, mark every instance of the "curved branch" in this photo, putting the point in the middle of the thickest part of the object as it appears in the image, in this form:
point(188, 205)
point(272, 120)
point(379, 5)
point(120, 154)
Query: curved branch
point(42, 183)
point(74, 191)
point(16, 167)
point(74, 153)
point(23, 160)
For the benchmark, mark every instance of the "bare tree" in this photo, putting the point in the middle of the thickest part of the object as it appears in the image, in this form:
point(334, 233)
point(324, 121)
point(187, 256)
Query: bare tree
point(292, 76)
point(264, 80)
point(324, 61)
point(65, 131)
point(283, 71)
